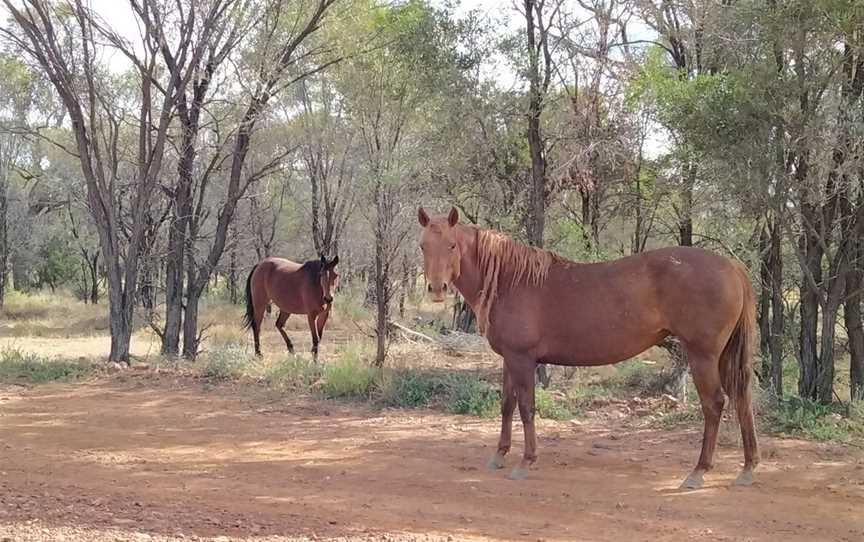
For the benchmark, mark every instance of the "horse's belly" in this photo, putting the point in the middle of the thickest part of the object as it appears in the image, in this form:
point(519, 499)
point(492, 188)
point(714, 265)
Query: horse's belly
point(597, 348)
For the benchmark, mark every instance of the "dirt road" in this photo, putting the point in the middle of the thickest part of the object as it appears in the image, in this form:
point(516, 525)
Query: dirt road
point(140, 458)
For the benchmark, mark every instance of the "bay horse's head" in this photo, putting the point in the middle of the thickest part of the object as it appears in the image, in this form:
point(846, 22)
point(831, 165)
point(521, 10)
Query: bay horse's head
point(441, 255)
point(328, 279)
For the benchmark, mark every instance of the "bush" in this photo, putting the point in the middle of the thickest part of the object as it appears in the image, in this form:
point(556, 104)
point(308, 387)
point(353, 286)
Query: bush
point(349, 377)
point(471, 395)
point(18, 365)
point(551, 405)
point(293, 373)
point(411, 389)
point(227, 363)
point(803, 417)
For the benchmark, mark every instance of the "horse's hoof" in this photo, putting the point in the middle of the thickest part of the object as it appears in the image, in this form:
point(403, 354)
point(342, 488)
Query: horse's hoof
point(694, 481)
point(518, 473)
point(745, 478)
point(496, 462)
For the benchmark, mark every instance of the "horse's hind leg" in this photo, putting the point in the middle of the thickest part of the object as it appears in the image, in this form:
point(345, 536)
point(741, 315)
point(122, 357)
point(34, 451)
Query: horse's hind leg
point(706, 377)
point(748, 439)
point(522, 375)
point(508, 406)
point(280, 325)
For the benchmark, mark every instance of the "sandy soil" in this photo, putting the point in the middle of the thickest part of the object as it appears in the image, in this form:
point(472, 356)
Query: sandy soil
point(138, 457)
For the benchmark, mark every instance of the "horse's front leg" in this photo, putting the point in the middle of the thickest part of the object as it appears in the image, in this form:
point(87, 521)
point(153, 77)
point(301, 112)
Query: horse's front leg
point(522, 375)
point(313, 328)
point(508, 406)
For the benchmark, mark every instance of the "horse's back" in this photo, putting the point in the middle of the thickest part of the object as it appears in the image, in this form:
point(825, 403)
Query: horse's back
point(604, 312)
point(280, 280)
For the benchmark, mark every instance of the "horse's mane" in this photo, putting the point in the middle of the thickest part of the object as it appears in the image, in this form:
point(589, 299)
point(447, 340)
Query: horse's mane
point(312, 268)
point(500, 256)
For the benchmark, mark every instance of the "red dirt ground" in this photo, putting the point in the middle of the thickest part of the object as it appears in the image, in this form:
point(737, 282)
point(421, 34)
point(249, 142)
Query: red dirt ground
point(145, 458)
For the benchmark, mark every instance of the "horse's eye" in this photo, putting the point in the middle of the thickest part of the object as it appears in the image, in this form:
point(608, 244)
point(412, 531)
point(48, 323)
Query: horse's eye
point(453, 247)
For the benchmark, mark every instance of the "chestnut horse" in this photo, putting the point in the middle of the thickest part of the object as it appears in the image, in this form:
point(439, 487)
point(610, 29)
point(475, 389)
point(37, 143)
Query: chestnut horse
point(536, 306)
point(295, 289)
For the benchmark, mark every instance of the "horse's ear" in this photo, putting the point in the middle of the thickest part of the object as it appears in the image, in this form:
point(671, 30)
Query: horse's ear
point(453, 217)
point(333, 262)
point(422, 217)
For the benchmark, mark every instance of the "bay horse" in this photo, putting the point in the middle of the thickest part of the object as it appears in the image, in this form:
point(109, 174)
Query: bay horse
point(295, 289)
point(535, 306)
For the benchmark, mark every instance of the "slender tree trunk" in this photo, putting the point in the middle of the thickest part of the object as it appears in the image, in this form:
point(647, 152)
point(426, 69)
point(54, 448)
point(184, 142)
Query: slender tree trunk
point(765, 305)
point(777, 306)
point(4, 241)
point(685, 220)
point(232, 273)
point(190, 324)
point(809, 306)
point(382, 275)
point(853, 321)
point(93, 265)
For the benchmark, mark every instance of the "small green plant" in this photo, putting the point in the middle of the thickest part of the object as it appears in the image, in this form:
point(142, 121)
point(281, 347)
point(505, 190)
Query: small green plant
point(551, 405)
point(227, 363)
point(410, 389)
point(18, 365)
point(349, 377)
point(293, 373)
point(471, 395)
point(797, 416)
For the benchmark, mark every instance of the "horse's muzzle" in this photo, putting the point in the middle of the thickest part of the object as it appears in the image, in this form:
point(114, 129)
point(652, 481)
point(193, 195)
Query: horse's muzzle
point(437, 294)
point(328, 299)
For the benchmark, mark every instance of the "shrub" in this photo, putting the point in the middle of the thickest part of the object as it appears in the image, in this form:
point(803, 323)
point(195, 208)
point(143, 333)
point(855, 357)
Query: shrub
point(293, 373)
point(227, 363)
point(551, 405)
point(471, 395)
point(410, 389)
point(17, 365)
point(349, 377)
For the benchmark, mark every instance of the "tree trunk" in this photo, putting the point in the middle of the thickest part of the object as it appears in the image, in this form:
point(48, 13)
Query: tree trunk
point(93, 266)
point(685, 220)
point(809, 303)
point(854, 326)
point(382, 275)
point(778, 314)
point(190, 324)
point(4, 243)
point(232, 274)
point(120, 309)
point(765, 306)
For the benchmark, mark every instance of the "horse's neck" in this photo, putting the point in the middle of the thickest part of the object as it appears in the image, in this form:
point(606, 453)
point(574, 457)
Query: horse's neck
point(470, 281)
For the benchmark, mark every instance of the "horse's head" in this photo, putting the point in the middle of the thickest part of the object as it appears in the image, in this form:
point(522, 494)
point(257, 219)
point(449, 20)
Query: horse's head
point(440, 251)
point(328, 278)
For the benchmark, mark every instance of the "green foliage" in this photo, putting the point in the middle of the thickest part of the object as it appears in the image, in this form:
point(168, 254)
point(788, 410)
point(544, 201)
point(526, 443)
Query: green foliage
point(18, 365)
point(293, 373)
point(230, 362)
point(709, 109)
point(58, 262)
point(471, 395)
point(411, 389)
point(551, 405)
point(802, 417)
point(350, 377)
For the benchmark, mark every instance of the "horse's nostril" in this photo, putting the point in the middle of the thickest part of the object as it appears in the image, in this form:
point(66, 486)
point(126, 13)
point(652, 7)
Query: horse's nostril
point(445, 287)
point(428, 287)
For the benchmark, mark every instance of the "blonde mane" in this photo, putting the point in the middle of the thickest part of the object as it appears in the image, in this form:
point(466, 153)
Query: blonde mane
point(498, 254)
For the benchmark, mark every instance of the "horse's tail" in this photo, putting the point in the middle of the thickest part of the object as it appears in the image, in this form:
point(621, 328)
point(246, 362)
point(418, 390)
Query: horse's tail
point(736, 366)
point(736, 361)
point(249, 317)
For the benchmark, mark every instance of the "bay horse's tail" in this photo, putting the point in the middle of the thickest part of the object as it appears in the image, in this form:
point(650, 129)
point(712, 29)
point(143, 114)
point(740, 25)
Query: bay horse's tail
point(249, 317)
point(736, 366)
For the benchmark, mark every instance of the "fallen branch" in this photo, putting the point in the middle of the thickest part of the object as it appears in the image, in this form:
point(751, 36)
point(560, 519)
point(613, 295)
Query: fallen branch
point(412, 333)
